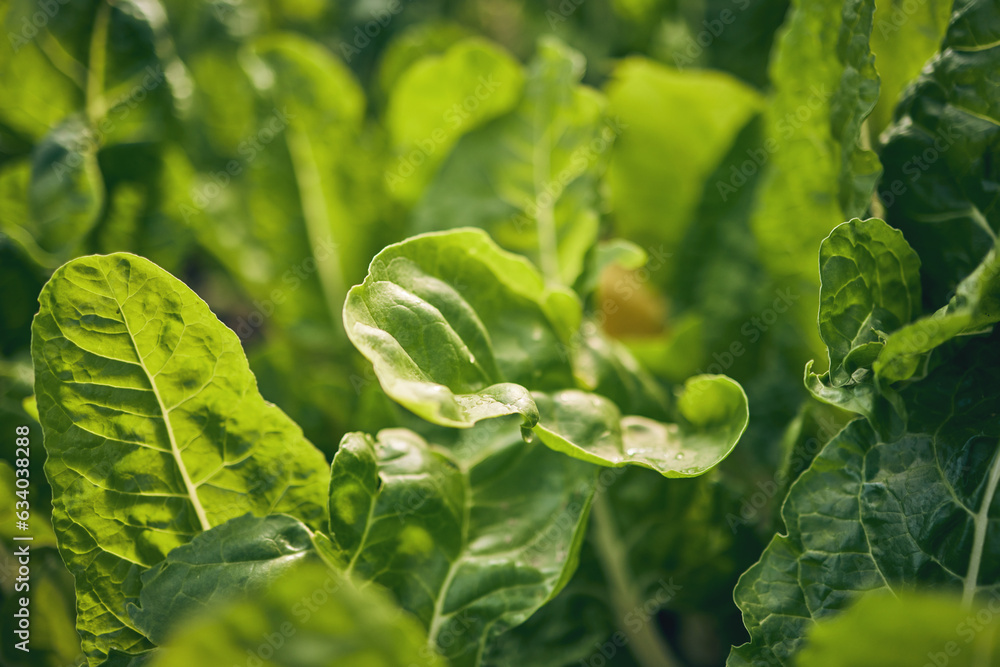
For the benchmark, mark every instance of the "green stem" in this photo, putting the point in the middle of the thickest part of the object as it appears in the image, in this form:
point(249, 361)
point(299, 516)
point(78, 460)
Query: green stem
point(98, 64)
point(645, 642)
point(545, 221)
point(317, 218)
point(981, 523)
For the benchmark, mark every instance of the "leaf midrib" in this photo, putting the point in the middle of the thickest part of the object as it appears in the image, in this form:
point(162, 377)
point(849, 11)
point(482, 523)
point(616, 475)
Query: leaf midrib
point(192, 491)
point(981, 523)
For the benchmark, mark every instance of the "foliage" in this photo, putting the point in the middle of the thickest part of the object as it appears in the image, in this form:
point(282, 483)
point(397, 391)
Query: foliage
point(533, 285)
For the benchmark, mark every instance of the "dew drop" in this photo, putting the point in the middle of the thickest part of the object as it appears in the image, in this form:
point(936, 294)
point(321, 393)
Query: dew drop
point(679, 457)
point(527, 434)
point(631, 451)
point(472, 358)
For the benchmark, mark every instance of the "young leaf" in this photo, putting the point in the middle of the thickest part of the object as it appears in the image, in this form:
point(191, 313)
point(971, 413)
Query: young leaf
point(311, 616)
point(873, 513)
point(460, 331)
point(457, 328)
point(530, 177)
point(154, 432)
point(239, 559)
point(472, 538)
point(869, 286)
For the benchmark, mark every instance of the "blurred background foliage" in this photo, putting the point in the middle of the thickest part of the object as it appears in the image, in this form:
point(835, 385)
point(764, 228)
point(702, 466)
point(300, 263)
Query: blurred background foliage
point(264, 151)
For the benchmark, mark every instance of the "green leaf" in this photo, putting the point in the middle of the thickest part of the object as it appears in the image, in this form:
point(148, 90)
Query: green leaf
point(66, 192)
point(870, 283)
point(940, 156)
point(713, 415)
point(530, 177)
point(439, 98)
point(911, 629)
point(869, 286)
point(311, 616)
point(681, 153)
point(886, 514)
point(472, 537)
point(904, 38)
point(818, 175)
point(974, 309)
point(457, 328)
point(154, 432)
point(238, 559)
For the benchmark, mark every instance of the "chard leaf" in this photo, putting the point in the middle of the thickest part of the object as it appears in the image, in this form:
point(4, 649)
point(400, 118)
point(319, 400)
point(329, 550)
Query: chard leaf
point(457, 328)
point(640, 93)
point(974, 309)
point(472, 538)
point(886, 514)
point(530, 177)
point(311, 616)
point(713, 415)
point(869, 285)
point(941, 182)
point(439, 98)
point(154, 432)
point(460, 331)
point(818, 175)
point(909, 629)
point(242, 557)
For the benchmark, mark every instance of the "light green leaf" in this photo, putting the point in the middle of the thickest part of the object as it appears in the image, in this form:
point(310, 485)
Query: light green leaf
point(904, 37)
point(869, 286)
point(457, 328)
point(438, 99)
point(886, 514)
point(312, 616)
point(154, 431)
point(472, 537)
point(681, 152)
point(530, 177)
point(870, 283)
point(817, 174)
point(412, 45)
point(904, 631)
point(236, 560)
point(713, 415)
